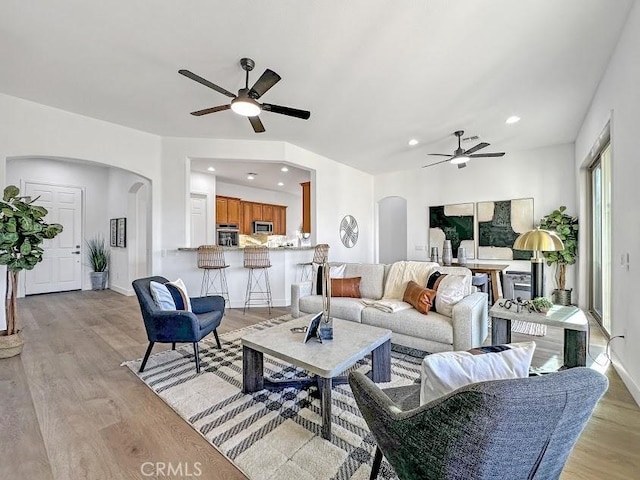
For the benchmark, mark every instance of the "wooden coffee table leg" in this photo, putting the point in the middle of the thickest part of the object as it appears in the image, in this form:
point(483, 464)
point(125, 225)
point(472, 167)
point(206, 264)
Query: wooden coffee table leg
point(500, 331)
point(325, 385)
point(575, 348)
point(252, 371)
point(381, 363)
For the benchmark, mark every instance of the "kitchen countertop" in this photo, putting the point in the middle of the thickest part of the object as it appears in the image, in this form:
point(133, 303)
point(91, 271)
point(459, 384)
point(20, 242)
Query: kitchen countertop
point(195, 249)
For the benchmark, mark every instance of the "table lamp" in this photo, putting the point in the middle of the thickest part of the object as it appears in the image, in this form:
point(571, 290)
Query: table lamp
point(538, 241)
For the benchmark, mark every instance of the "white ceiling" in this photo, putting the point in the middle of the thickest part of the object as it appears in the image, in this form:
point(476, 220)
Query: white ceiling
point(373, 73)
point(267, 175)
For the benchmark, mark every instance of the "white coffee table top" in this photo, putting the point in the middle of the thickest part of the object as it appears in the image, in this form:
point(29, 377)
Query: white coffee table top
point(351, 342)
point(571, 318)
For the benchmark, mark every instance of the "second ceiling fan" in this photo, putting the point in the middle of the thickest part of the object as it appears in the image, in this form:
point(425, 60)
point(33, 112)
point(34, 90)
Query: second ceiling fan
point(245, 103)
point(461, 156)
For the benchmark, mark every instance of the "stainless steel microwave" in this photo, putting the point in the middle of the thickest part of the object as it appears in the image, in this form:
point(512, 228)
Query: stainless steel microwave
point(263, 227)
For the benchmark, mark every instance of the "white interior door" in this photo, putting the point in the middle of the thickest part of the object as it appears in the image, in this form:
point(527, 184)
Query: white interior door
point(61, 266)
point(198, 220)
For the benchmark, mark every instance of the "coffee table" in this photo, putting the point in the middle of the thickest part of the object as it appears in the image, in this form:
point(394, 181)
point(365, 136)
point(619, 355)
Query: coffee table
point(570, 318)
point(327, 360)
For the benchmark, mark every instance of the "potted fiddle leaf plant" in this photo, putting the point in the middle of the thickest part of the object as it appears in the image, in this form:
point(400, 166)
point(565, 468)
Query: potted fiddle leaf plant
point(99, 256)
point(566, 227)
point(22, 232)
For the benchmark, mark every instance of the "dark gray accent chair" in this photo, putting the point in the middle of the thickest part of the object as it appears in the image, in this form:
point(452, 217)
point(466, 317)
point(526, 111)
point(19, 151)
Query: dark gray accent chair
point(516, 429)
point(178, 326)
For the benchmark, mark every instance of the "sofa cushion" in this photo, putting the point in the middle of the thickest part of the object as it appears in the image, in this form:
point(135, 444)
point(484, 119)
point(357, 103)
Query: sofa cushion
point(372, 283)
point(341, 307)
point(442, 373)
point(435, 327)
point(450, 289)
point(419, 297)
point(346, 287)
point(335, 271)
point(162, 296)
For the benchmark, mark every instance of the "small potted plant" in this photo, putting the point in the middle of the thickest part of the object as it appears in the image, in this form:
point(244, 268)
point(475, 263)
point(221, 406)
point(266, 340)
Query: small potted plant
point(98, 255)
point(541, 304)
point(22, 232)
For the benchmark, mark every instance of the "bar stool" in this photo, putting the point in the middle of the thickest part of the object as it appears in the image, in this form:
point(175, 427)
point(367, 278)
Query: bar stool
point(214, 278)
point(256, 259)
point(320, 255)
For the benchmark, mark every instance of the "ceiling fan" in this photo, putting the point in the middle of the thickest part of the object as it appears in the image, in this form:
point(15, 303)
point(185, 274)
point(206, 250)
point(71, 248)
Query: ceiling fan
point(245, 103)
point(461, 156)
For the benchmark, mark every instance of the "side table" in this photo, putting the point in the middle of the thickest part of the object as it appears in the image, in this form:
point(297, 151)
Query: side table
point(571, 319)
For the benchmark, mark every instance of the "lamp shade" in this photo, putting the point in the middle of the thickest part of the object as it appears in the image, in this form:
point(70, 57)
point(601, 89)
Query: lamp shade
point(540, 240)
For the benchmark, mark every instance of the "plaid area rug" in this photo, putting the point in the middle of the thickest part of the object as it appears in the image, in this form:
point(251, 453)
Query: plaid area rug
point(271, 435)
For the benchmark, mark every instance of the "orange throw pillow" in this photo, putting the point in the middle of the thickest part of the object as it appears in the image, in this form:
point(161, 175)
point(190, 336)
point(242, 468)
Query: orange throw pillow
point(419, 297)
point(346, 287)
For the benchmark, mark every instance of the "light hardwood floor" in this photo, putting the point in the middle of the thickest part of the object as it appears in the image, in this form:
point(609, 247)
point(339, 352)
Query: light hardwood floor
point(69, 410)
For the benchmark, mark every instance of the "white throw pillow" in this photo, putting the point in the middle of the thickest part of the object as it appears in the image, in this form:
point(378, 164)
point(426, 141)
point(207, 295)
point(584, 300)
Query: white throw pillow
point(444, 372)
point(182, 290)
point(335, 271)
point(451, 289)
point(162, 296)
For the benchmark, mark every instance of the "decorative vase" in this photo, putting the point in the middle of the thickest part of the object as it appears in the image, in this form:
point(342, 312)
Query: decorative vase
point(98, 280)
point(462, 255)
point(11, 345)
point(447, 253)
point(325, 332)
point(562, 297)
point(434, 254)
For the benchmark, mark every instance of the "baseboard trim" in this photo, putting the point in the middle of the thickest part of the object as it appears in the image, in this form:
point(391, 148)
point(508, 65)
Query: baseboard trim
point(633, 388)
point(127, 292)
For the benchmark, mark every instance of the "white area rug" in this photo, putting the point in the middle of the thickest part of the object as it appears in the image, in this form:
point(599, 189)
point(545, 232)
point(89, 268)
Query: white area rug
point(528, 328)
point(270, 435)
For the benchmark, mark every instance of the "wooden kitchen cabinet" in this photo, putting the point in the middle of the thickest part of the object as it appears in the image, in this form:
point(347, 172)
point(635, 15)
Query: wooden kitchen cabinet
point(306, 207)
point(267, 212)
point(262, 212)
point(227, 210)
point(279, 220)
point(246, 225)
point(256, 209)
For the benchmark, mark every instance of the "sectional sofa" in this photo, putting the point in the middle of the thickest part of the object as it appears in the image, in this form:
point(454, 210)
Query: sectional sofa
point(466, 328)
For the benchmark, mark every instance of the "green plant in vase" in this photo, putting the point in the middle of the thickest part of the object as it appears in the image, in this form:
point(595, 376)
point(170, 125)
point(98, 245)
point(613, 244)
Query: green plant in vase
point(99, 255)
point(541, 304)
point(22, 232)
point(566, 227)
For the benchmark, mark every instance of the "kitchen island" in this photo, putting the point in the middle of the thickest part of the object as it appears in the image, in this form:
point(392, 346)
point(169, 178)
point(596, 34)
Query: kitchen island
point(183, 263)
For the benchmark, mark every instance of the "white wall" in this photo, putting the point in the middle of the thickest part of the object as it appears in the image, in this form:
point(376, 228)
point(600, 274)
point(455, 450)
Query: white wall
point(28, 129)
point(618, 99)
point(392, 229)
point(544, 174)
point(262, 195)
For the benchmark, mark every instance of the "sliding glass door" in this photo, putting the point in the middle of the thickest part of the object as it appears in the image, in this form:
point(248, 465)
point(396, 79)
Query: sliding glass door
point(600, 262)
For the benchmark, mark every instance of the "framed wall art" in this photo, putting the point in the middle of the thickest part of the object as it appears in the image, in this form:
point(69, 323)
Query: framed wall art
point(452, 222)
point(113, 232)
point(499, 224)
point(122, 232)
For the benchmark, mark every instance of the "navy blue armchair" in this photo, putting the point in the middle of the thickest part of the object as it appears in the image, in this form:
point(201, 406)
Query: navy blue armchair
point(178, 326)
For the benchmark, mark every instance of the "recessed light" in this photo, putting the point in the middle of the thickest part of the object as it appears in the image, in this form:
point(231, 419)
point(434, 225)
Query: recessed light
point(251, 176)
point(284, 169)
point(211, 169)
point(512, 119)
point(413, 142)
point(280, 184)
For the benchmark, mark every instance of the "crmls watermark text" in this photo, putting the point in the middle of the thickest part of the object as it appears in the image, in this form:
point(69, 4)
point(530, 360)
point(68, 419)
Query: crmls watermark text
point(168, 469)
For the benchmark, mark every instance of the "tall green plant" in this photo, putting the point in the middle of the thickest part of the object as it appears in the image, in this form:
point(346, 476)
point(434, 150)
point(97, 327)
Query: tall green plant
point(98, 254)
point(22, 231)
point(566, 227)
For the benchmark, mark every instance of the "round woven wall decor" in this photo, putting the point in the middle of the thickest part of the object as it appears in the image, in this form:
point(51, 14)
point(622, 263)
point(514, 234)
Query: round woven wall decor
point(349, 231)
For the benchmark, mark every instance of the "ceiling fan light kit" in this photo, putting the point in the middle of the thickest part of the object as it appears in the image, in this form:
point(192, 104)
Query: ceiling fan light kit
point(461, 156)
point(245, 102)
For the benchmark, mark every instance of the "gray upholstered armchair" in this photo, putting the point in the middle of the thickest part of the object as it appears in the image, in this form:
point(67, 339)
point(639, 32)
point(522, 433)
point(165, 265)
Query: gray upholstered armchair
point(178, 326)
point(518, 429)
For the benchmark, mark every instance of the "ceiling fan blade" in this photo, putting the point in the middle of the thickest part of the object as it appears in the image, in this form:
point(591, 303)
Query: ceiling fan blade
point(267, 80)
point(256, 123)
point(206, 111)
point(441, 154)
point(292, 112)
point(437, 163)
point(206, 83)
point(480, 155)
point(476, 148)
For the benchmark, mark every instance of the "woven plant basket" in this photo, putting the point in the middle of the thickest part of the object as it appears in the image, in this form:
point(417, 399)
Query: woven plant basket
point(11, 345)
